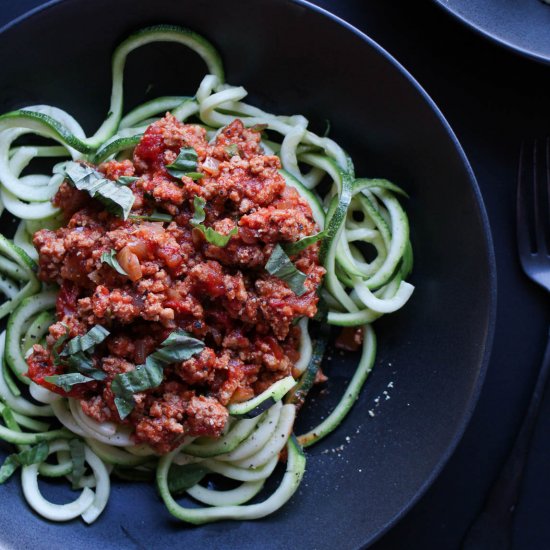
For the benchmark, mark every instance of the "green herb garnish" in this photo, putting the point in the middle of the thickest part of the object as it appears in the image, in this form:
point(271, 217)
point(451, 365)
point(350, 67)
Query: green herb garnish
point(109, 258)
point(126, 180)
point(303, 243)
point(181, 478)
point(87, 341)
point(116, 197)
point(76, 448)
point(67, 381)
point(154, 217)
point(185, 163)
point(179, 346)
point(211, 235)
point(34, 455)
point(280, 265)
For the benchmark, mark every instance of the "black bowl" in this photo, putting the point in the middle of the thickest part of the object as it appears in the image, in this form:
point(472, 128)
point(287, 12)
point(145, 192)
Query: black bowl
point(520, 25)
point(295, 58)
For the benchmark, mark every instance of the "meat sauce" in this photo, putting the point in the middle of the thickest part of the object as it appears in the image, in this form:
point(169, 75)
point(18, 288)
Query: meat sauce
point(177, 279)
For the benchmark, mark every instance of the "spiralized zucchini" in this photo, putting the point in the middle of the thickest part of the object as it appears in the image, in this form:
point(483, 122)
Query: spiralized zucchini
point(366, 251)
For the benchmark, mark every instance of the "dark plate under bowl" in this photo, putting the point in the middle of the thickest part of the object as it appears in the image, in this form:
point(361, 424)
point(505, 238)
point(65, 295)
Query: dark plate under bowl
point(294, 58)
point(521, 25)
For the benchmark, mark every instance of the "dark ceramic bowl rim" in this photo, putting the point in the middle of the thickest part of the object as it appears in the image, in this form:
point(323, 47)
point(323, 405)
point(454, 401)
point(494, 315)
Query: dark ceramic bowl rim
point(468, 412)
point(493, 37)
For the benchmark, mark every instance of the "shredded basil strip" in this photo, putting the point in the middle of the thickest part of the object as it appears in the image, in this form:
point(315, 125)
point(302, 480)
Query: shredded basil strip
point(185, 163)
point(211, 235)
point(179, 346)
point(87, 341)
point(33, 455)
point(67, 381)
point(109, 258)
point(58, 344)
point(298, 246)
point(117, 198)
point(76, 448)
point(181, 478)
point(199, 215)
point(126, 180)
point(195, 175)
point(143, 377)
point(83, 363)
point(280, 265)
point(154, 217)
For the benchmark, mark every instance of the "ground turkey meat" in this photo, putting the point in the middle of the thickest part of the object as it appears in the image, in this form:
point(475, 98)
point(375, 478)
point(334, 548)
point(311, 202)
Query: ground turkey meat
point(176, 279)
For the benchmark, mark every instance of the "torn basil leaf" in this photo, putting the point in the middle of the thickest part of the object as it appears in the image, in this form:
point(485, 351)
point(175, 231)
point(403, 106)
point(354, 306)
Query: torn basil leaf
point(211, 235)
point(199, 215)
point(117, 198)
point(83, 363)
point(87, 341)
point(126, 180)
point(58, 344)
point(195, 175)
point(280, 266)
point(33, 455)
point(185, 163)
point(67, 381)
point(76, 448)
point(143, 377)
point(181, 478)
point(179, 346)
point(298, 246)
point(154, 217)
point(109, 258)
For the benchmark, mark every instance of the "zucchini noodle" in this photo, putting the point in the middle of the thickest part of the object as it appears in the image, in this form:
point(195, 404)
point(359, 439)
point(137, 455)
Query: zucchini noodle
point(365, 250)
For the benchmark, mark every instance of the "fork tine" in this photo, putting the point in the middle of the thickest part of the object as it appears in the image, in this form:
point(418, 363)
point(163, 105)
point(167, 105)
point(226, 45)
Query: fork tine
point(539, 203)
point(522, 216)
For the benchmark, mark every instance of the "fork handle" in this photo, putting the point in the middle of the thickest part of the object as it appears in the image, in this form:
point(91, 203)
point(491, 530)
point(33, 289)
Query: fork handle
point(492, 528)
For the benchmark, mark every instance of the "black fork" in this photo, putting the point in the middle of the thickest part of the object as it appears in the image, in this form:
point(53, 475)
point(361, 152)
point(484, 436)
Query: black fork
point(492, 529)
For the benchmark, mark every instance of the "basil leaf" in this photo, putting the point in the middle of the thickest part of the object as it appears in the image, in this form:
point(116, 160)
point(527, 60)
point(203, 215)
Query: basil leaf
point(76, 448)
point(143, 377)
point(215, 238)
point(185, 162)
point(117, 198)
point(33, 455)
point(179, 346)
point(211, 235)
point(181, 478)
point(298, 246)
point(109, 258)
point(154, 217)
point(232, 150)
point(87, 341)
point(126, 180)
point(199, 215)
point(195, 175)
point(67, 381)
point(58, 344)
point(83, 364)
point(280, 266)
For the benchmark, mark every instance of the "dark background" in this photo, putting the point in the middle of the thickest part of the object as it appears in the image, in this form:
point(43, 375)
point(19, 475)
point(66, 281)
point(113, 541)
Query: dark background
point(493, 99)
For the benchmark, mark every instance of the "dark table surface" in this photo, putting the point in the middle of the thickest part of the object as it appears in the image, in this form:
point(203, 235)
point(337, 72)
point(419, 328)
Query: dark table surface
point(493, 99)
